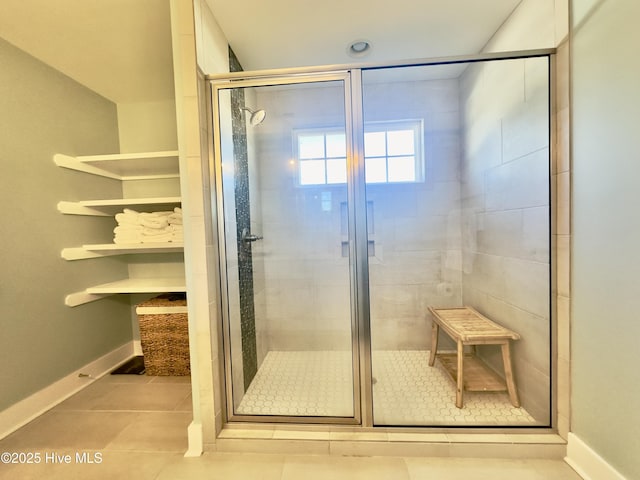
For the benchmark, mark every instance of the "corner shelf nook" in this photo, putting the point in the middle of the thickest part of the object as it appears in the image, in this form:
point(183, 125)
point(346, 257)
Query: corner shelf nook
point(123, 167)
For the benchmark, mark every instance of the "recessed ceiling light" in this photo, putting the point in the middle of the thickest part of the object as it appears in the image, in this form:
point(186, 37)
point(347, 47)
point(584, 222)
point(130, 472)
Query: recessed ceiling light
point(359, 48)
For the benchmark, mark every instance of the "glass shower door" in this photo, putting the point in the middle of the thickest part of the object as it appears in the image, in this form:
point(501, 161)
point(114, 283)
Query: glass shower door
point(457, 167)
point(281, 168)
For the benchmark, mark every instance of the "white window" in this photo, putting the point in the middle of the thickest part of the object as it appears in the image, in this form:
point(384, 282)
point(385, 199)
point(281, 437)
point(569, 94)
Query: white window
point(322, 157)
point(392, 150)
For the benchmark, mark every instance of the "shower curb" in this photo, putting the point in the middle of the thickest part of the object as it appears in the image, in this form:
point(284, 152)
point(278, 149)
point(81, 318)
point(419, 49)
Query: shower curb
point(389, 443)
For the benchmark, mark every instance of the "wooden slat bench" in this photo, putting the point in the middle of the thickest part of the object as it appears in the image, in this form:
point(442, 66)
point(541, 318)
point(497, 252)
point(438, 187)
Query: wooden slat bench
point(468, 327)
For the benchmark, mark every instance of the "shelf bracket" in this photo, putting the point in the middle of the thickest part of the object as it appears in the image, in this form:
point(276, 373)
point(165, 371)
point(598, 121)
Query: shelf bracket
point(79, 253)
point(74, 208)
point(73, 163)
point(80, 298)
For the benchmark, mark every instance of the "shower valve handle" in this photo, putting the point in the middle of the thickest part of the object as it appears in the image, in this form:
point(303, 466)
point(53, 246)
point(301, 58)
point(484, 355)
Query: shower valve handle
point(249, 237)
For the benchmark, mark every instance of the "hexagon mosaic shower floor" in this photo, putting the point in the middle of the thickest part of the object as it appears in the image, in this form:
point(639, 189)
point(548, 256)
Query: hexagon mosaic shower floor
point(406, 391)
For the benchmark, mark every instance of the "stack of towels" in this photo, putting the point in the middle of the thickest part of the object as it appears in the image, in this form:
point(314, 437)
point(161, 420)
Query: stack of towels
point(156, 227)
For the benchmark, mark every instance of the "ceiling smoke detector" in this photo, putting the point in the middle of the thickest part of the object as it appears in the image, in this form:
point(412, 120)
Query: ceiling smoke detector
point(359, 48)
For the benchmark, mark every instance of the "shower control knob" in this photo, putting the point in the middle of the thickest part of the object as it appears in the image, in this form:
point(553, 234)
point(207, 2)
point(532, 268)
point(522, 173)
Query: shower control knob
point(249, 237)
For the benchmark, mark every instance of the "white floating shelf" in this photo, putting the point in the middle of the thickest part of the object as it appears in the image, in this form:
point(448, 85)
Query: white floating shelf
point(80, 298)
point(167, 247)
point(108, 249)
point(124, 166)
point(109, 207)
point(130, 285)
point(141, 285)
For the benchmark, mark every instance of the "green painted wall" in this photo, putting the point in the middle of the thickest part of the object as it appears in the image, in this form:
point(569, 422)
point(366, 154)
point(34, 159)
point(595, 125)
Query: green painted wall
point(605, 326)
point(43, 112)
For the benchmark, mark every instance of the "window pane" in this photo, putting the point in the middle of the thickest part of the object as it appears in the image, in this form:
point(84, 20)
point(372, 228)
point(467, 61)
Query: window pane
point(375, 170)
point(312, 172)
point(337, 170)
point(400, 142)
point(374, 144)
point(402, 169)
point(311, 146)
point(336, 145)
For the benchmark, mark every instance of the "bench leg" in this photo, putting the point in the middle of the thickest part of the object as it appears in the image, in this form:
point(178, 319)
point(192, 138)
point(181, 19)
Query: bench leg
point(435, 328)
point(460, 380)
point(508, 373)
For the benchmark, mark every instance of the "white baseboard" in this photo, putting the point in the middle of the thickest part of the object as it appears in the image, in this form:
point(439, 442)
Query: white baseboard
point(589, 465)
point(21, 413)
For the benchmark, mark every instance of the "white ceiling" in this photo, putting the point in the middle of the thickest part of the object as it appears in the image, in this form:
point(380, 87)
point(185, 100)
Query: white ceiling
point(287, 33)
point(122, 48)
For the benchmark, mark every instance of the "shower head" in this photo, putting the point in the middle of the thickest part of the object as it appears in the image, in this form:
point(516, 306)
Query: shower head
point(255, 118)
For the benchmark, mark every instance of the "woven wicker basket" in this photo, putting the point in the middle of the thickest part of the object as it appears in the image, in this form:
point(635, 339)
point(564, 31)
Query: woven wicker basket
point(164, 336)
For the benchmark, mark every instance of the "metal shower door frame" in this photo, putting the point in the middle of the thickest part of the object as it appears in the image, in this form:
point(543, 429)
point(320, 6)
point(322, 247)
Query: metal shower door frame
point(358, 238)
point(358, 261)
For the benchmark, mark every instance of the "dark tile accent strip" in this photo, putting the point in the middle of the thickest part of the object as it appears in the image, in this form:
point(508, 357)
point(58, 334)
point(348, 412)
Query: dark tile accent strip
point(243, 220)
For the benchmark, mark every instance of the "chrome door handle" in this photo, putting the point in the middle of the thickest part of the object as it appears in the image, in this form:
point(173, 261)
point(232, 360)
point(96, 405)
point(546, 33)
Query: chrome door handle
point(248, 237)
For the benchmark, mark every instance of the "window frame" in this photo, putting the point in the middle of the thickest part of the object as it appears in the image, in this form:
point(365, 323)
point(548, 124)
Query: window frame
point(324, 131)
point(416, 125)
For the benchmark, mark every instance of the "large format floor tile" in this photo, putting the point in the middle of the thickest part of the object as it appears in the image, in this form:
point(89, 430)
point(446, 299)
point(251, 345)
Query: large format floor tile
point(135, 428)
point(106, 466)
point(84, 430)
point(345, 468)
point(495, 469)
point(225, 466)
point(154, 432)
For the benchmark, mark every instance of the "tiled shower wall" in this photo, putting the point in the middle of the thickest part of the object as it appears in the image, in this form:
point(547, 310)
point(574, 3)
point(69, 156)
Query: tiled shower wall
point(505, 213)
point(241, 189)
point(305, 301)
point(476, 221)
point(415, 227)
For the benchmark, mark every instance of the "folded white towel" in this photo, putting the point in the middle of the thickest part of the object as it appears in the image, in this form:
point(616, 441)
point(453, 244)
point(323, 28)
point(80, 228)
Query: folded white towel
point(157, 238)
point(125, 240)
point(159, 222)
point(128, 234)
point(127, 228)
point(178, 233)
point(155, 214)
point(124, 231)
point(146, 227)
point(175, 219)
point(153, 232)
point(126, 218)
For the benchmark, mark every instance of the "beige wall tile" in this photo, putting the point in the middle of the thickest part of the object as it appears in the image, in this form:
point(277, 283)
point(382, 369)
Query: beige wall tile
point(528, 285)
point(563, 338)
point(563, 203)
point(521, 183)
point(563, 263)
point(563, 152)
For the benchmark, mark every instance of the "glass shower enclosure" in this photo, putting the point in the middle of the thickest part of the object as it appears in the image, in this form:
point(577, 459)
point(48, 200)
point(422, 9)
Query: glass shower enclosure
point(349, 202)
